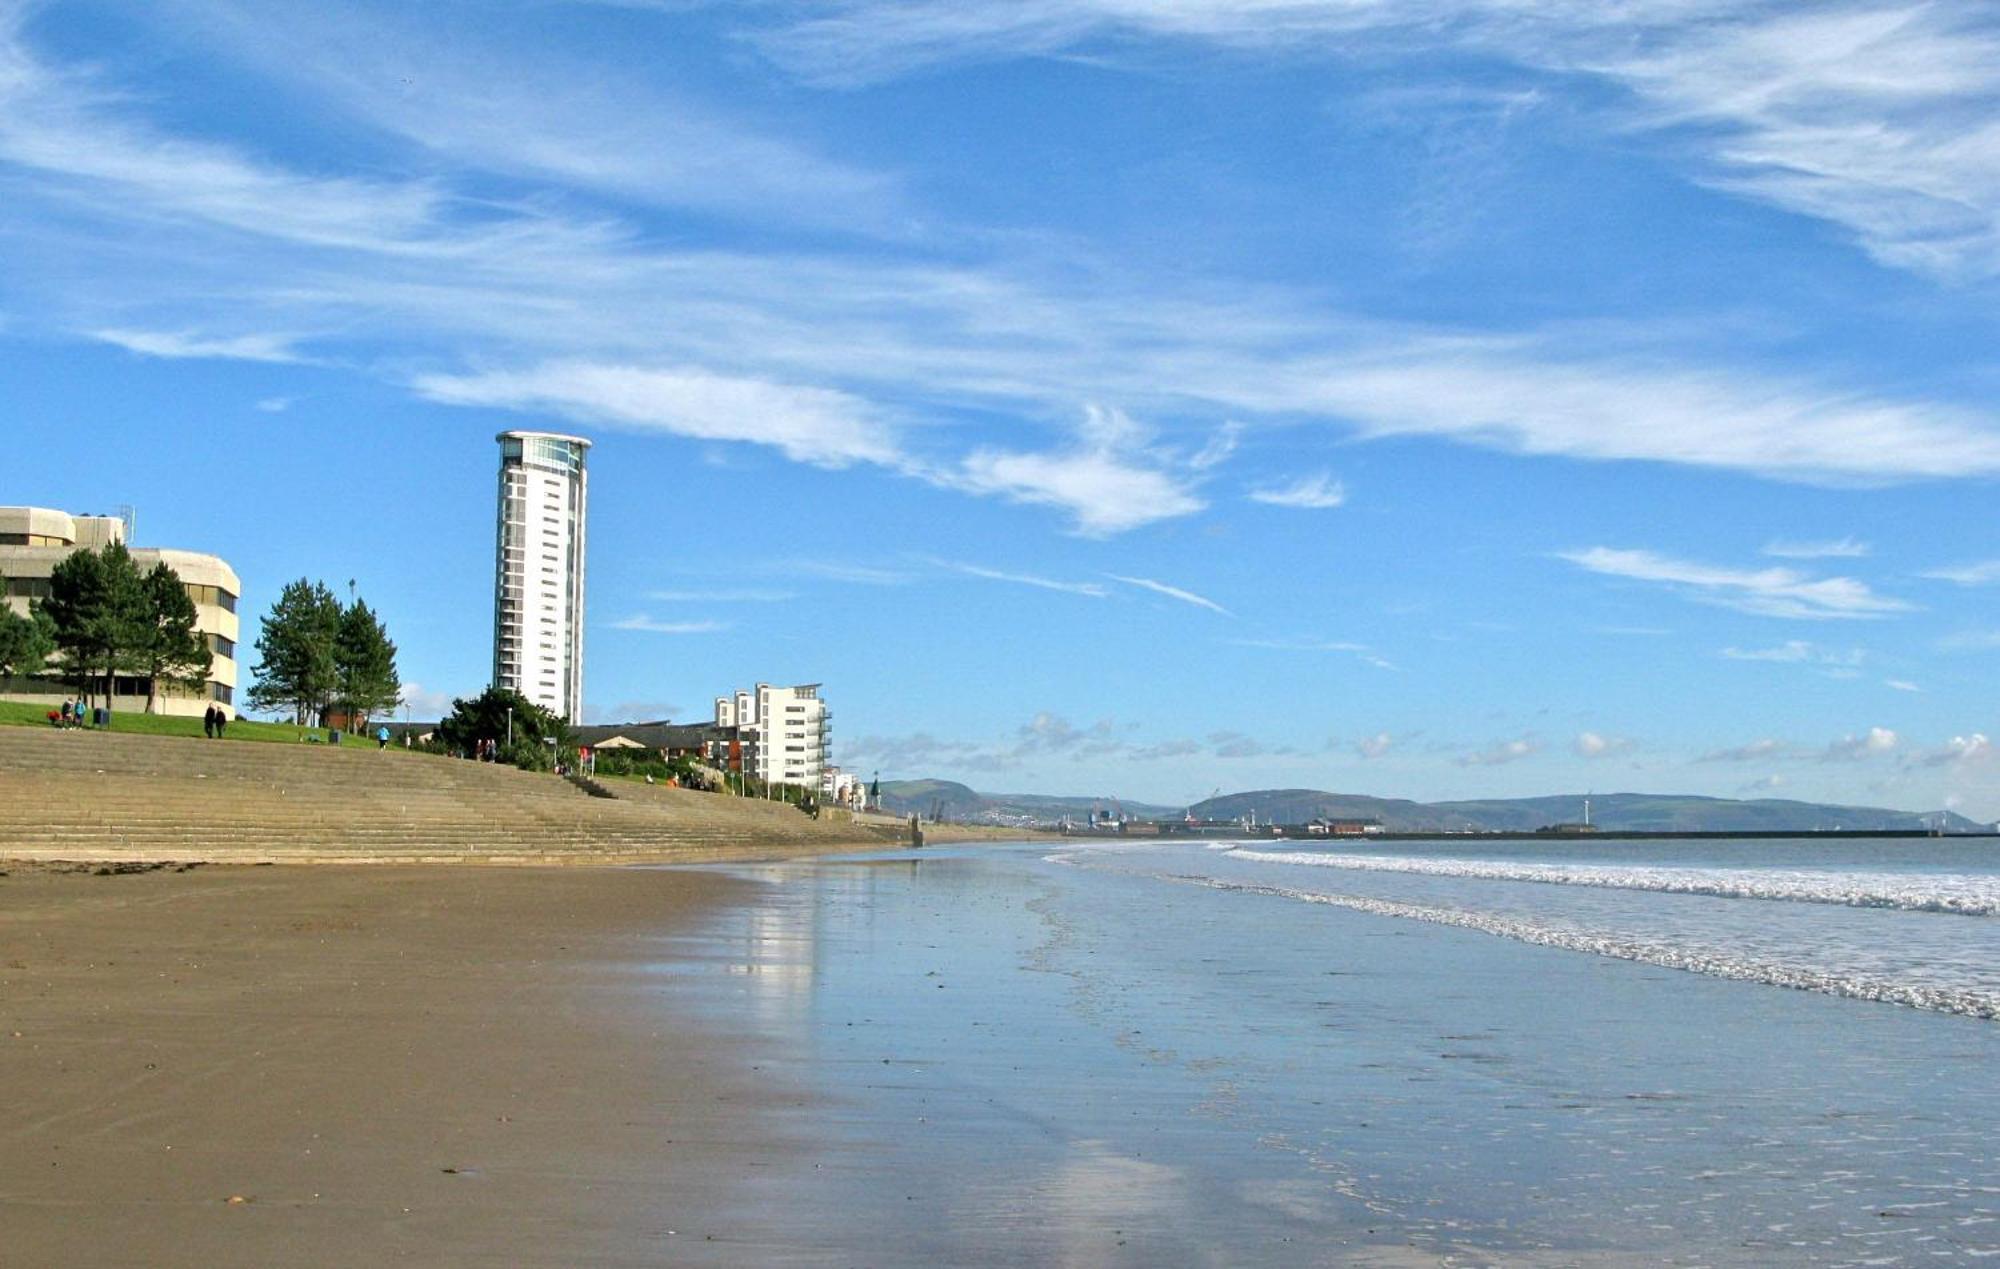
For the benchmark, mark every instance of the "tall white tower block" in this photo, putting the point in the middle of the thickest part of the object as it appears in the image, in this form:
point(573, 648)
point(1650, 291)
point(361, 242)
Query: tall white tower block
point(538, 569)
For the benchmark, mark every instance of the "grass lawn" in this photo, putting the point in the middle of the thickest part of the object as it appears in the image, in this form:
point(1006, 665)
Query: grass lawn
point(21, 714)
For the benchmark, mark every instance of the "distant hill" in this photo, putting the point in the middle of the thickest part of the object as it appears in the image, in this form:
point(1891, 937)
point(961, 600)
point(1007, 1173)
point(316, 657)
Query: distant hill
point(1634, 812)
point(955, 801)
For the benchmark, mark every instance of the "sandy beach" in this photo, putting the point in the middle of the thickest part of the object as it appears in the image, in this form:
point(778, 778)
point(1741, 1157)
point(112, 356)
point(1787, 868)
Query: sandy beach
point(351, 1066)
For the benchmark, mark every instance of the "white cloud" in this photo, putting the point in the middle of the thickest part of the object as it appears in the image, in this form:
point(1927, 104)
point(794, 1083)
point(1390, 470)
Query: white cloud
point(653, 625)
point(1171, 592)
point(812, 425)
point(1360, 650)
point(1320, 492)
point(1513, 396)
point(275, 405)
point(1218, 447)
point(1835, 548)
point(183, 344)
point(1769, 592)
point(425, 703)
point(1501, 753)
point(1901, 685)
point(1090, 589)
point(1755, 751)
point(1107, 484)
point(1983, 573)
point(1959, 751)
point(1970, 641)
point(722, 596)
point(1798, 651)
point(1372, 747)
point(1590, 744)
point(1878, 740)
point(1877, 118)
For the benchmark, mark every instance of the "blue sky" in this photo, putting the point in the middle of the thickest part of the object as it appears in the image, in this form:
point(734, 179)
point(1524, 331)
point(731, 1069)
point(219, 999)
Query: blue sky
point(1434, 398)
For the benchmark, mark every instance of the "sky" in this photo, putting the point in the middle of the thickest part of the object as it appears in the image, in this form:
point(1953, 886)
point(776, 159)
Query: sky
point(1136, 398)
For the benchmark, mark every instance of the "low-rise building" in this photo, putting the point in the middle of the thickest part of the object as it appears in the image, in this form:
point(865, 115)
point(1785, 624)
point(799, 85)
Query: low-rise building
point(33, 540)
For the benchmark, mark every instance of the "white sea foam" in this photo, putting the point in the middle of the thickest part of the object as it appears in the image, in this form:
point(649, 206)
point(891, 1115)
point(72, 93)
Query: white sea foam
point(1959, 894)
point(1715, 962)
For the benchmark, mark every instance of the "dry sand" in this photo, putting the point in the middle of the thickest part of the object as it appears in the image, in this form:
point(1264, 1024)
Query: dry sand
point(260, 1066)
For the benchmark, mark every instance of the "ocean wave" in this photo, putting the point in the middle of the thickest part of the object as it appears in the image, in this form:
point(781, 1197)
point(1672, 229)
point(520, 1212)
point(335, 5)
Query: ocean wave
point(1956, 894)
point(1693, 958)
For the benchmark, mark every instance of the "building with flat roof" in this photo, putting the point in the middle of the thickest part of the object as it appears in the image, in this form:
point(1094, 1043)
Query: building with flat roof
point(538, 569)
point(792, 729)
point(33, 540)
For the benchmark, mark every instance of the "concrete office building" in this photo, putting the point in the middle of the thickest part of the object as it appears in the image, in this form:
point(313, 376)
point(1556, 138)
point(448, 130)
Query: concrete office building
point(33, 540)
point(538, 569)
point(792, 729)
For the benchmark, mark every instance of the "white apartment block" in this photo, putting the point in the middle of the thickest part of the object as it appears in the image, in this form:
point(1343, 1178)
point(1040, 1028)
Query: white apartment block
point(538, 569)
point(793, 730)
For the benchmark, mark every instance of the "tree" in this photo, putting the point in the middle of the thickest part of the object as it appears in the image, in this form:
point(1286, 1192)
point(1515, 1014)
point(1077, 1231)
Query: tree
point(97, 608)
point(169, 649)
point(364, 664)
point(486, 717)
point(296, 666)
point(26, 643)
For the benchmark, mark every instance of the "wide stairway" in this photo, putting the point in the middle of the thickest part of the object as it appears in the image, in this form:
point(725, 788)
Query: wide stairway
point(107, 797)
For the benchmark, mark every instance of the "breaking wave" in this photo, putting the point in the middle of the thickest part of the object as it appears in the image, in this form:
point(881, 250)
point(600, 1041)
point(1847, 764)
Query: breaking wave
point(1693, 958)
point(1958, 894)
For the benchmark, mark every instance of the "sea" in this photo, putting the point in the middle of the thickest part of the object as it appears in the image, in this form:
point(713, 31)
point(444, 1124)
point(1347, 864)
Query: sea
point(1554, 1052)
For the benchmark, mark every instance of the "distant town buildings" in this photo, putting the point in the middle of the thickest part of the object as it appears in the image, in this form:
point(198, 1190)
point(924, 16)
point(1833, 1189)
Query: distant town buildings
point(33, 540)
point(538, 569)
point(790, 729)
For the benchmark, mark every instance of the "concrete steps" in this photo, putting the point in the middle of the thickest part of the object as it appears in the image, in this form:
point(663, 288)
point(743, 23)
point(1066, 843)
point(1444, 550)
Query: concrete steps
point(107, 796)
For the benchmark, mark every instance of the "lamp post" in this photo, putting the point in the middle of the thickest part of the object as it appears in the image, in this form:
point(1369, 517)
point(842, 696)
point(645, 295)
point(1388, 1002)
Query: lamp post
point(510, 726)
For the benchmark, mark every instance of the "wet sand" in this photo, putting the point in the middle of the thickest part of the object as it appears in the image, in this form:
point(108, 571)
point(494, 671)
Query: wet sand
point(357, 1066)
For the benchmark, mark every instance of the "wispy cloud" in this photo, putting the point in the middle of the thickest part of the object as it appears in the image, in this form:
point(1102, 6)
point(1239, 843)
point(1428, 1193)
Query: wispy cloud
point(1768, 592)
point(1171, 592)
point(1360, 650)
point(1318, 492)
point(1983, 573)
point(1590, 744)
point(275, 405)
point(184, 344)
point(1960, 751)
point(841, 571)
point(1875, 742)
point(1834, 548)
point(1799, 652)
point(1970, 641)
point(1755, 751)
point(1501, 752)
point(1089, 589)
point(1108, 483)
point(1876, 118)
point(1901, 685)
point(722, 596)
point(652, 625)
point(814, 425)
point(1375, 746)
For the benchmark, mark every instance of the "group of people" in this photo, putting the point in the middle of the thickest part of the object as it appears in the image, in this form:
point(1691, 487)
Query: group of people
point(213, 722)
point(72, 714)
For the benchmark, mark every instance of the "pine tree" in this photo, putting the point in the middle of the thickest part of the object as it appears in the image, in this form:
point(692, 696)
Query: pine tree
point(97, 608)
point(170, 650)
point(296, 666)
point(26, 643)
point(365, 666)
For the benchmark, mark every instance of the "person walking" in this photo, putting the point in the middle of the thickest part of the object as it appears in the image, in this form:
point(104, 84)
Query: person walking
point(381, 739)
point(208, 722)
point(68, 713)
